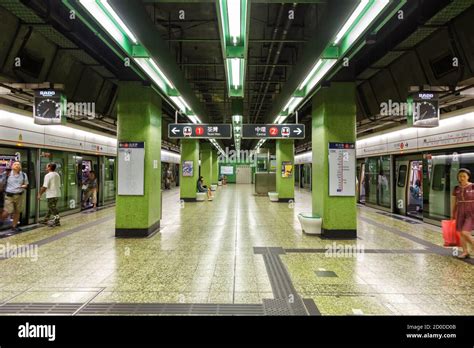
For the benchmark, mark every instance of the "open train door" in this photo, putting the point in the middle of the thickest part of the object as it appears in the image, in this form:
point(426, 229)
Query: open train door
point(409, 186)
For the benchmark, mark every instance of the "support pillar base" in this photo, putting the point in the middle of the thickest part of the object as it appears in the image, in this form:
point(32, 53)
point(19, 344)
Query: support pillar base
point(137, 232)
point(338, 234)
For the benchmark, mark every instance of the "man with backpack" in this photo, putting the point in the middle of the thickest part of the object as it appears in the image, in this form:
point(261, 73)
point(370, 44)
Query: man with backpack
point(16, 184)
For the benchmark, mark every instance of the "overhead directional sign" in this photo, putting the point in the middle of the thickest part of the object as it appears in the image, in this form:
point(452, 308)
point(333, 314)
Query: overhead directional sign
point(199, 131)
point(270, 131)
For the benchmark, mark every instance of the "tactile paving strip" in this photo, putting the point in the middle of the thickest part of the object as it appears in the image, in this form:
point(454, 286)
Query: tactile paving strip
point(287, 301)
point(39, 308)
point(130, 309)
point(365, 251)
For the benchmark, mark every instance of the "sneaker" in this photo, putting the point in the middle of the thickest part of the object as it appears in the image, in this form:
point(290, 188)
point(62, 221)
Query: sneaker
point(16, 229)
point(55, 221)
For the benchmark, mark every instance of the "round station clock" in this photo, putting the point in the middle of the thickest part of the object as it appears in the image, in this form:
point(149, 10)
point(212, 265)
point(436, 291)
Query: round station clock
point(426, 110)
point(48, 108)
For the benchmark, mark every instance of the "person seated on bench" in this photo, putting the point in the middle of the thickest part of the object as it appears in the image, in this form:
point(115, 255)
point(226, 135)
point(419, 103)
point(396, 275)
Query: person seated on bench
point(203, 188)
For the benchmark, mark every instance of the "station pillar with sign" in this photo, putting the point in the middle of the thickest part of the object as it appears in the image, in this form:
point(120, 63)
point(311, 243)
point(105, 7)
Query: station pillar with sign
point(215, 166)
point(138, 203)
point(333, 190)
point(189, 169)
point(206, 163)
point(285, 176)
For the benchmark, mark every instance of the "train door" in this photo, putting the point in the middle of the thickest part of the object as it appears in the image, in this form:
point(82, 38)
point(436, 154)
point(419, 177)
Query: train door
point(307, 176)
point(176, 174)
point(401, 170)
point(409, 186)
point(88, 164)
point(66, 166)
point(415, 189)
point(360, 181)
point(107, 182)
point(297, 175)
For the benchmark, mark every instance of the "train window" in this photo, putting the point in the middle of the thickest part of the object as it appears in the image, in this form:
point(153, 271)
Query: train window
point(402, 176)
point(439, 177)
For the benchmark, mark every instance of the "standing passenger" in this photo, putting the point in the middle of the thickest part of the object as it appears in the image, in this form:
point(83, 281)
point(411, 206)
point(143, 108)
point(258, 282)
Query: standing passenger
point(52, 187)
point(91, 190)
point(16, 183)
point(3, 181)
point(463, 210)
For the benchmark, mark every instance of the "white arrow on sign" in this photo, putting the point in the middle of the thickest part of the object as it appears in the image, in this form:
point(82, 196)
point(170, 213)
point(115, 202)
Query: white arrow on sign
point(175, 130)
point(298, 131)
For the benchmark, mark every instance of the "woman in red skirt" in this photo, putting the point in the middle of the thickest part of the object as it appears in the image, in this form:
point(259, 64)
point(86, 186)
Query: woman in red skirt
point(463, 210)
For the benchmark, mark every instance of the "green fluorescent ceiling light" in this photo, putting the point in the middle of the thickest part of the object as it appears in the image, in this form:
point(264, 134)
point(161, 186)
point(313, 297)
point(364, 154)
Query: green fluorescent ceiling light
point(292, 104)
point(155, 73)
point(119, 21)
point(237, 122)
point(375, 8)
point(319, 71)
point(279, 119)
point(106, 16)
point(357, 24)
point(234, 13)
point(103, 18)
point(179, 101)
point(237, 119)
point(351, 20)
point(233, 19)
point(235, 68)
point(194, 119)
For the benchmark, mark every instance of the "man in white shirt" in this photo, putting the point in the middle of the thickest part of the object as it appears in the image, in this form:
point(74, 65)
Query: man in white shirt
point(52, 187)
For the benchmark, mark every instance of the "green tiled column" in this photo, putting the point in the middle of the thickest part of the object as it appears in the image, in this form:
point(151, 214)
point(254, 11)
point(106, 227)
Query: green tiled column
point(139, 120)
point(188, 184)
point(206, 163)
point(285, 152)
point(215, 167)
point(333, 120)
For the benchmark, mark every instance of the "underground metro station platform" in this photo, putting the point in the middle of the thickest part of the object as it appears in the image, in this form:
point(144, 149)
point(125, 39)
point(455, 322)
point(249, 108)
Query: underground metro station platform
point(235, 158)
point(236, 255)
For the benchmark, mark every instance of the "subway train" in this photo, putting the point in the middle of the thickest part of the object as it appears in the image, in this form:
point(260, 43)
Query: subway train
point(76, 152)
point(409, 171)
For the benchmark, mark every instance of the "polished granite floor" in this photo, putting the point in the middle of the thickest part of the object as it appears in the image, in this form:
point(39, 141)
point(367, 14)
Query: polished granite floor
point(205, 253)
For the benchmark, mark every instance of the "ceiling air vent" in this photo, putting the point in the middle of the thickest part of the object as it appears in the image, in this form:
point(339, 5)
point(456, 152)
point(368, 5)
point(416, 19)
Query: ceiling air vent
point(442, 65)
point(30, 64)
